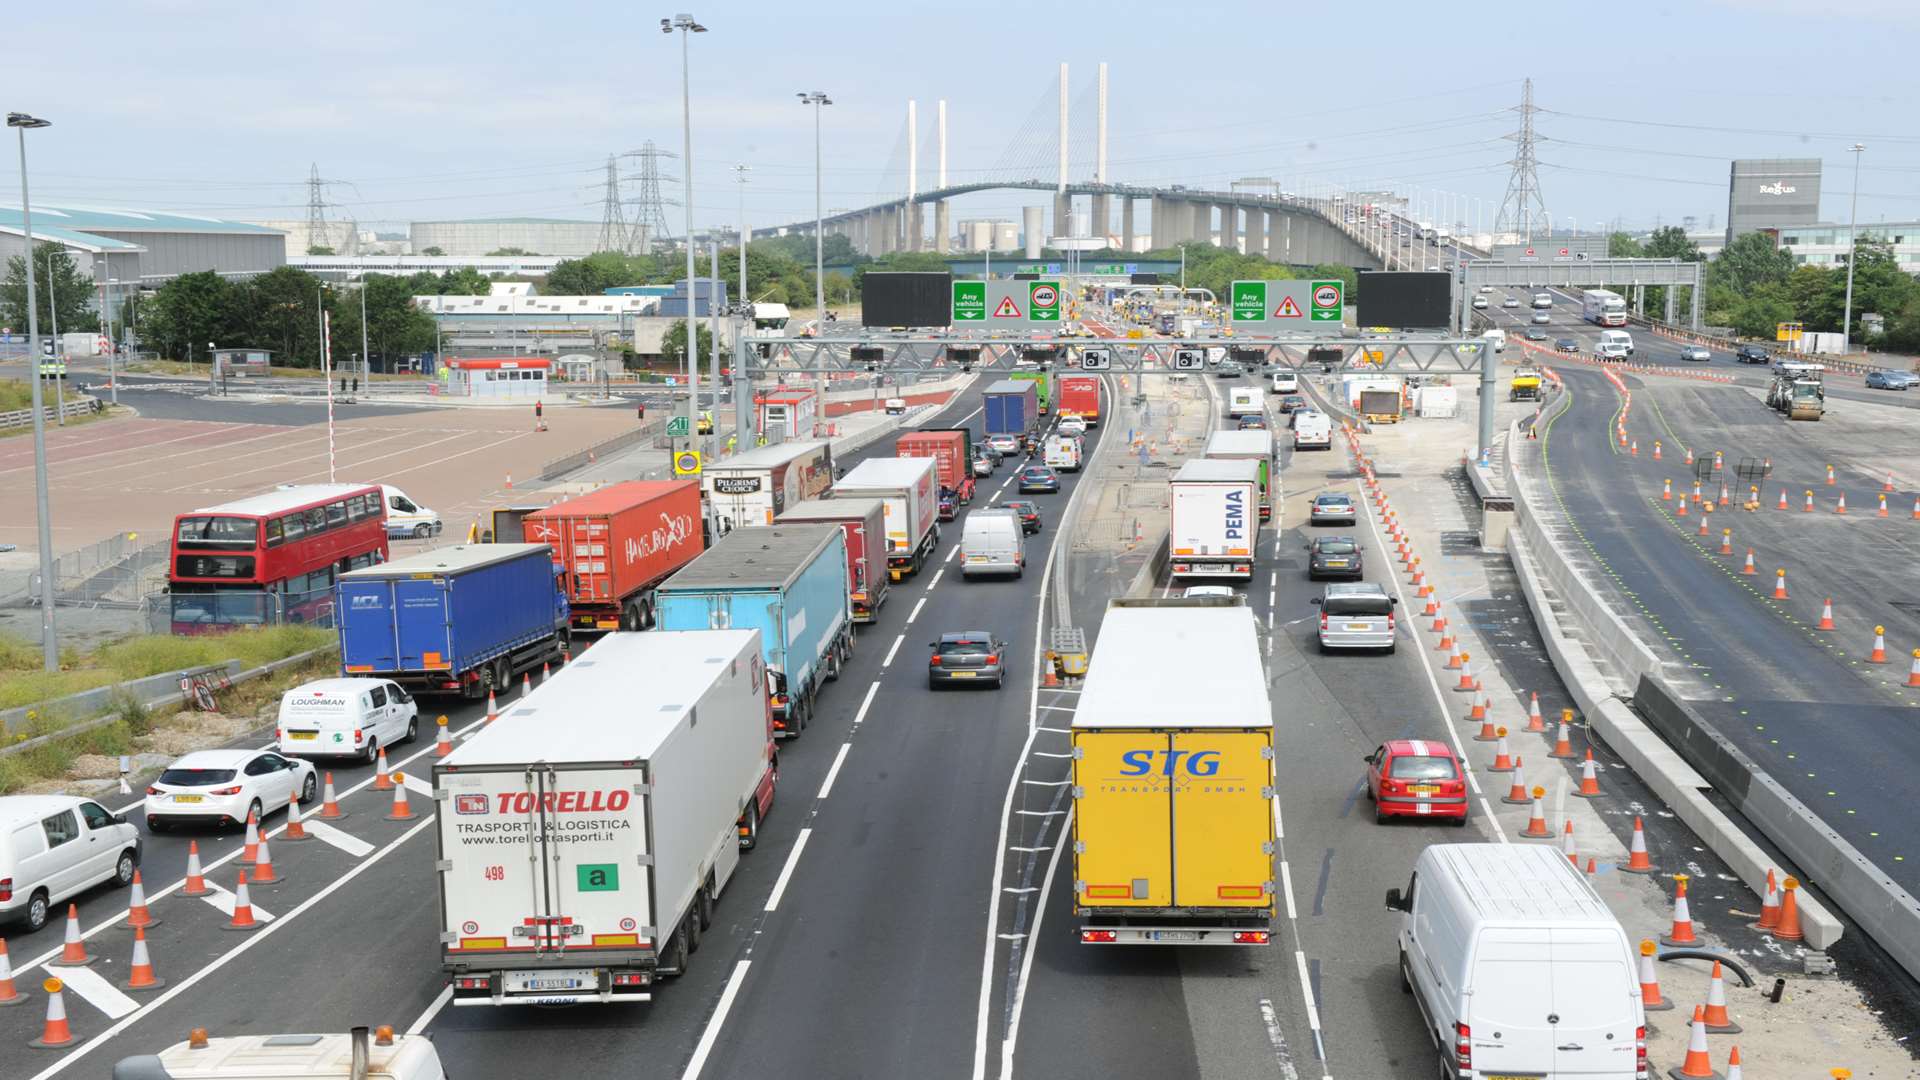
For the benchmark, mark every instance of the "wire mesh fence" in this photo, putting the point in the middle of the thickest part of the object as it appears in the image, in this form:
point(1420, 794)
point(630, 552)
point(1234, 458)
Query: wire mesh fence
point(119, 571)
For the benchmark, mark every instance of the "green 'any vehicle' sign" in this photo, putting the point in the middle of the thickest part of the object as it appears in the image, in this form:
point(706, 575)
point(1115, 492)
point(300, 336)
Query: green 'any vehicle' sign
point(1249, 301)
point(969, 301)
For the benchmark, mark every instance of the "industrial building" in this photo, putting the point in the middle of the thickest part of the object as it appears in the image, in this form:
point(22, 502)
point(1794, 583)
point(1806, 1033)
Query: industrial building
point(515, 319)
point(536, 236)
point(989, 234)
point(146, 247)
point(339, 237)
point(1825, 245)
point(1772, 193)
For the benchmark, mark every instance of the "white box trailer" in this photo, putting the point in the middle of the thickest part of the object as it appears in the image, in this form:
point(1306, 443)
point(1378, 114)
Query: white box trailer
point(756, 487)
point(1214, 520)
point(1246, 401)
point(909, 488)
point(585, 835)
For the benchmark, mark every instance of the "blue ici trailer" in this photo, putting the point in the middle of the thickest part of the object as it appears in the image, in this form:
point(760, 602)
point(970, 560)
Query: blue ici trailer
point(790, 583)
point(1010, 407)
point(463, 620)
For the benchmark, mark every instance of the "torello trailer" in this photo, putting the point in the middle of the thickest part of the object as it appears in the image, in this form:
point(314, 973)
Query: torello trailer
point(586, 834)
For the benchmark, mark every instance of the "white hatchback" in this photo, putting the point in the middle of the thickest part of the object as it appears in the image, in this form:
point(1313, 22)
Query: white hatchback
point(223, 787)
point(345, 718)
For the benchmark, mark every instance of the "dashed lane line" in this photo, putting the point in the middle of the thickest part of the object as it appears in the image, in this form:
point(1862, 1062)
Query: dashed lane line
point(786, 872)
point(894, 649)
point(833, 771)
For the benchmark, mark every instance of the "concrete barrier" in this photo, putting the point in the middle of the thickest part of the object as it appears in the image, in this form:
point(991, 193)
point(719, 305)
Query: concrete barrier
point(1582, 632)
point(561, 466)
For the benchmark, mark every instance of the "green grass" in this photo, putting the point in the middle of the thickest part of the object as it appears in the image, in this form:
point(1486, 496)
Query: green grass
point(23, 683)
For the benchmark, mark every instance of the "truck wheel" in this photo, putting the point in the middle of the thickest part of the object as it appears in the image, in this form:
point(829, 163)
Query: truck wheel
point(630, 616)
point(750, 826)
point(704, 903)
point(833, 664)
point(692, 927)
point(673, 960)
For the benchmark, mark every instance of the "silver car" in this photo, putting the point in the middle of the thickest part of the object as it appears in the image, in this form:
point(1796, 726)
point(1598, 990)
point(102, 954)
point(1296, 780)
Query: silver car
point(1698, 354)
point(1356, 615)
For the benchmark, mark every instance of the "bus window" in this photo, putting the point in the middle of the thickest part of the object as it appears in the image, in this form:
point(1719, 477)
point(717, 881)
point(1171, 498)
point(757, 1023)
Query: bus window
point(273, 532)
point(336, 514)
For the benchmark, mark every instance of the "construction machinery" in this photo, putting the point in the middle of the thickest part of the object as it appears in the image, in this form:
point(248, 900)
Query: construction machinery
point(1526, 385)
point(1797, 391)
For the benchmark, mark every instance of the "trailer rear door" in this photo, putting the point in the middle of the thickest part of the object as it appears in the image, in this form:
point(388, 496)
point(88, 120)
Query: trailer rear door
point(421, 623)
point(1123, 843)
point(1223, 819)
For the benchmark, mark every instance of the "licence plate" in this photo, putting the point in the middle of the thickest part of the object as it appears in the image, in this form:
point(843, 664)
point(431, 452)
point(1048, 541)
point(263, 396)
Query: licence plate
point(1422, 789)
point(976, 558)
point(564, 979)
point(1510, 1076)
point(1359, 626)
point(963, 674)
point(1175, 935)
point(187, 798)
point(1336, 562)
point(553, 984)
point(298, 735)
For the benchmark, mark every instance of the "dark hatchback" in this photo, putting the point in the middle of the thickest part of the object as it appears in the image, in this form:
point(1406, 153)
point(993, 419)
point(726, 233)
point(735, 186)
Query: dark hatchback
point(973, 656)
point(1027, 512)
point(1334, 557)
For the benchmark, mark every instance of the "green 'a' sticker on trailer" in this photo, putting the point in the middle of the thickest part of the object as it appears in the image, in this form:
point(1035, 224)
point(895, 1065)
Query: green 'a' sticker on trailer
point(597, 877)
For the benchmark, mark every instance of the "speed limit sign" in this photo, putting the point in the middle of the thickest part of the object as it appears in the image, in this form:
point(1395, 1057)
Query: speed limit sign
point(1189, 360)
point(1096, 360)
point(686, 463)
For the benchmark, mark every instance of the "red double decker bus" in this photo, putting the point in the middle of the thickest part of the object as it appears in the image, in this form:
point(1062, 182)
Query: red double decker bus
point(272, 558)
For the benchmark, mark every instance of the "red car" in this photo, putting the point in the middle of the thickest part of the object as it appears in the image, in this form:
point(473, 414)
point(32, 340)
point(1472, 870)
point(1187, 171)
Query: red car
point(1416, 778)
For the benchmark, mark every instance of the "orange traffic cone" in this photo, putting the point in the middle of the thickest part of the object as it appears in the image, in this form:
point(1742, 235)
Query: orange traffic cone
point(1780, 584)
point(526, 684)
point(546, 672)
point(1666, 493)
point(1682, 932)
point(56, 1033)
point(1479, 709)
point(1703, 521)
point(401, 811)
point(1466, 675)
point(1733, 1065)
point(1563, 745)
point(242, 908)
point(1535, 722)
point(263, 875)
point(1788, 928)
point(1680, 508)
point(1502, 759)
point(1916, 508)
point(8, 995)
point(250, 850)
point(1808, 509)
point(1723, 495)
point(1637, 860)
point(1718, 1022)
point(73, 951)
point(1913, 673)
point(196, 883)
point(1454, 661)
point(1879, 654)
point(1783, 499)
point(1432, 610)
point(1537, 824)
point(1748, 569)
point(382, 779)
point(1698, 1065)
point(1689, 456)
point(1589, 779)
point(1650, 999)
point(1656, 449)
point(1882, 512)
point(1517, 794)
point(296, 829)
point(442, 742)
point(1447, 643)
point(1841, 506)
point(1567, 846)
point(1769, 905)
point(330, 803)
point(1826, 616)
point(493, 711)
point(1439, 617)
point(1634, 448)
point(1830, 480)
point(1593, 866)
point(138, 917)
point(140, 974)
point(1888, 486)
point(1696, 493)
point(1726, 541)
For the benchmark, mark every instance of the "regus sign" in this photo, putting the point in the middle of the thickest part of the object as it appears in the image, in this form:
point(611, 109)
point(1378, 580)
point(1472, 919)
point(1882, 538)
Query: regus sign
point(1777, 188)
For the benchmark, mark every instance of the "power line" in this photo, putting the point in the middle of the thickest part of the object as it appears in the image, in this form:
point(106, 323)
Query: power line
point(1523, 199)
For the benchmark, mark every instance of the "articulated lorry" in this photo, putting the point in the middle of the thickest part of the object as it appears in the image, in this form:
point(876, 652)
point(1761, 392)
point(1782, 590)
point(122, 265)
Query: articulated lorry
point(1255, 445)
point(755, 487)
point(910, 490)
point(1080, 396)
point(462, 620)
point(1010, 407)
point(790, 583)
point(616, 544)
point(1173, 779)
point(952, 452)
point(864, 522)
point(1214, 526)
point(1042, 384)
point(586, 835)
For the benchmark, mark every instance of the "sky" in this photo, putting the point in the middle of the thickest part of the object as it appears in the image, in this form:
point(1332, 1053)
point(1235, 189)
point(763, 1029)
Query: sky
point(427, 110)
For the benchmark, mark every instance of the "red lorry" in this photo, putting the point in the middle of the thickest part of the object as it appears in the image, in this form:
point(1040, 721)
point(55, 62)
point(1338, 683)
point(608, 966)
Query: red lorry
point(614, 545)
point(952, 449)
point(865, 523)
point(1079, 395)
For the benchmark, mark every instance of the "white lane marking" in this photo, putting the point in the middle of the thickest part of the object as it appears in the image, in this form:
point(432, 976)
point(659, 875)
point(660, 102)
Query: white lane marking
point(833, 771)
point(866, 703)
point(939, 573)
point(1282, 1056)
point(1286, 886)
point(915, 613)
point(1061, 708)
point(951, 552)
point(1045, 753)
point(786, 872)
point(1306, 993)
point(711, 1034)
point(1273, 579)
point(345, 841)
point(896, 648)
point(415, 783)
point(440, 1001)
point(251, 941)
point(222, 901)
point(95, 990)
point(1026, 962)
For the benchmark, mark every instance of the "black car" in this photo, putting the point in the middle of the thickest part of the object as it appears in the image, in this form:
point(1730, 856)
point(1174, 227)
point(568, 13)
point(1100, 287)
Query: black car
point(1333, 556)
point(1028, 513)
point(1567, 344)
point(971, 656)
point(1292, 403)
point(1037, 478)
point(1752, 354)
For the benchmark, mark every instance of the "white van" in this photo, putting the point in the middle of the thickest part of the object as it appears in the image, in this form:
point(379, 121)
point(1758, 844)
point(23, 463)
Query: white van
point(1496, 338)
point(1517, 967)
point(408, 518)
point(355, 1056)
point(991, 543)
point(54, 846)
point(1063, 452)
point(1246, 401)
point(1312, 430)
point(345, 718)
point(1542, 300)
point(1286, 382)
point(1614, 345)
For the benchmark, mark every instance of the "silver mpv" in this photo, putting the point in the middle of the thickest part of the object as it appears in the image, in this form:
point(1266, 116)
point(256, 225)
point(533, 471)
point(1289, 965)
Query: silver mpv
point(1356, 615)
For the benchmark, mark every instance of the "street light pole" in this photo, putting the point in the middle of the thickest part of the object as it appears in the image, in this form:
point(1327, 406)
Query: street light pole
point(1853, 217)
point(49, 644)
point(687, 26)
point(818, 99)
point(366, 371)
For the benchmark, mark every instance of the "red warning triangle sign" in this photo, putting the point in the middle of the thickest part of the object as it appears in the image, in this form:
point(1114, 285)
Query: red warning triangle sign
point(1287, 309)
point(1007, 309)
